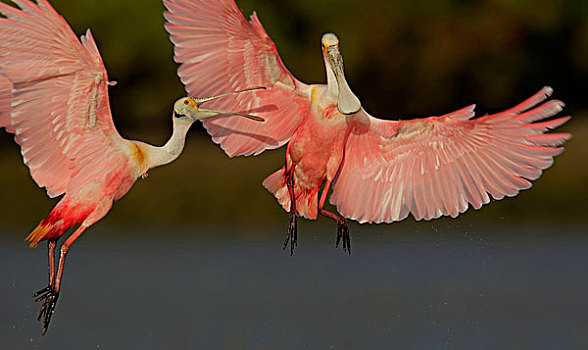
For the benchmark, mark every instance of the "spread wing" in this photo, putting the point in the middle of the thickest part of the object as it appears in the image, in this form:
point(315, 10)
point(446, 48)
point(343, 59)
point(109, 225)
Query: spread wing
point(220, 51)
point(439, 165)
point(5, 102)
point(60, 112)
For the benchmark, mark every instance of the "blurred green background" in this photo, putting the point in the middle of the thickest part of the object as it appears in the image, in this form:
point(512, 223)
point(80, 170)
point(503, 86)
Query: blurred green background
point(403, 59)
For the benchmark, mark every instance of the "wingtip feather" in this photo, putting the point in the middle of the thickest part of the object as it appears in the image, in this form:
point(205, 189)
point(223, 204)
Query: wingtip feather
point(547, 91)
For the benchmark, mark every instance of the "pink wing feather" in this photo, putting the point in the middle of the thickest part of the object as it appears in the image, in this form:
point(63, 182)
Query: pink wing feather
point(60, 109)
point(5, 102)
point(219, 51)
point(439, 165)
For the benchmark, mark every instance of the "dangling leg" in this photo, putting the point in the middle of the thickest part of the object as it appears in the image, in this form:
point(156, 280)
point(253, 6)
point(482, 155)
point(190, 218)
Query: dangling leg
point(50, 294)
point(51, 243)
point(292, 234)
point(342, 228)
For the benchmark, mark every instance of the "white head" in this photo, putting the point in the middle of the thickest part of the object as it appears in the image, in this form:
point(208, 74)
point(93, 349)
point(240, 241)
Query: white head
point(329, 39)
point(347, 102)
point(189, 108)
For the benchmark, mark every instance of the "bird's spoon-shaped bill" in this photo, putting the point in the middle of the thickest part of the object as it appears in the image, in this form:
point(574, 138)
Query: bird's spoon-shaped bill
point(347, 102)
point(206, 99)
point(192, 104)
point(208, 113)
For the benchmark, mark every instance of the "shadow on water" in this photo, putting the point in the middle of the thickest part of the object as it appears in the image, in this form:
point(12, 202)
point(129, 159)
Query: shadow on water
point(494, 289)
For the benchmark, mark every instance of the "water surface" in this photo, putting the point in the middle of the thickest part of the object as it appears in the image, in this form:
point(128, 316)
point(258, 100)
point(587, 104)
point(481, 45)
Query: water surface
point(496, 289)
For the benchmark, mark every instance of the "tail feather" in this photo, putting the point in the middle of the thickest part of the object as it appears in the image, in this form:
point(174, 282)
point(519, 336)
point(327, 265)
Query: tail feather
point(306, 199)
point(64, 216)
point(276, 184)
point(44, 230)
point(307, 203)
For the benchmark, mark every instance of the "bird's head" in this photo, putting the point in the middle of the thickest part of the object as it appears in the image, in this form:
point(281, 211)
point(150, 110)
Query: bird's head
point(189, 108)
point(347, 102)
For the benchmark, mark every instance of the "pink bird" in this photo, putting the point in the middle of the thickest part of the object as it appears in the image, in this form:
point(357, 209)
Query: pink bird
point(378, 170)
point(54, 99)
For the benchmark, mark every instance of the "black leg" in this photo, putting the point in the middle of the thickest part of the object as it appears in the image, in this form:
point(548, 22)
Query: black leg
point(48, 297)
point(292, 234)
point(342, 230)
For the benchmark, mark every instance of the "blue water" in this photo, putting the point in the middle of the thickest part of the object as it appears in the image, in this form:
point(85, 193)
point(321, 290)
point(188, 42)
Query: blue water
point(455, 290)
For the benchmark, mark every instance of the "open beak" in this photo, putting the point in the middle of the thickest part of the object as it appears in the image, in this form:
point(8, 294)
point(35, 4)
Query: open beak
point(204, 113)
point(347, 102)
point(208, 113)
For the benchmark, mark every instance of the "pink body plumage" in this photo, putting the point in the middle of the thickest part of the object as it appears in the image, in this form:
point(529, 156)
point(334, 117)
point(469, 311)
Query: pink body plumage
point(54, 99)
point(380, 171)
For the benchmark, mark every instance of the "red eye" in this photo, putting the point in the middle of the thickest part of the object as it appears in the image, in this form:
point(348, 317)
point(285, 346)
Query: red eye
point(186, 102)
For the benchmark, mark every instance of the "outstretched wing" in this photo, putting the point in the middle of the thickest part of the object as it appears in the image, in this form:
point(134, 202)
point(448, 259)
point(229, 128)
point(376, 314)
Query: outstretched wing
point(219, 51)
point(5, 102)
point(439, 165)
point(60, 112)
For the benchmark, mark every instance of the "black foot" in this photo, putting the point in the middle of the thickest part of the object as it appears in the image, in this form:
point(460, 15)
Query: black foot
point(49, 298)
point(343, 232)
point(292, 234)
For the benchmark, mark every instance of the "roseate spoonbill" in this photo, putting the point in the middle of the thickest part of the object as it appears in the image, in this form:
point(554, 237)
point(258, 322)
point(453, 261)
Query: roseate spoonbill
point(379, 170)
point(54, 99)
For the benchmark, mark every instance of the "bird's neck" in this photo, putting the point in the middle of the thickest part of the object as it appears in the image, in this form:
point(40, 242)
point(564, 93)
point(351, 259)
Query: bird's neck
point(172, 149)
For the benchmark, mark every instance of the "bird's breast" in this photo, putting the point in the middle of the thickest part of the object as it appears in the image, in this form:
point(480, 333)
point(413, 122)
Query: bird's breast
point(137, 153)
point(138, 158)
point(324, 105)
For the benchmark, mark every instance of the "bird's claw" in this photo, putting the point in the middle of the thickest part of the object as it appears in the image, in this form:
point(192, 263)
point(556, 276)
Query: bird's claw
point(42, 291)
point(292, 234)
point(48, 297)
point(343, 233)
